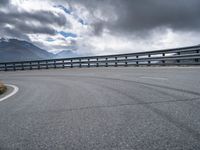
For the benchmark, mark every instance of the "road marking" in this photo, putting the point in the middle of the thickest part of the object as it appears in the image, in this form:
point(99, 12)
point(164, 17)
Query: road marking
point(155, 78)
point(16, 89)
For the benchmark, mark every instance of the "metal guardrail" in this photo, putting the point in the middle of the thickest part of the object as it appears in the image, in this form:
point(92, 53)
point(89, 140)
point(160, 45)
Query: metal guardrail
point(176, 56)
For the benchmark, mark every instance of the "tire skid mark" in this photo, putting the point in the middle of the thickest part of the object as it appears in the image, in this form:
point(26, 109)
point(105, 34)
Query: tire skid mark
point(183, 127)
point(116, 79)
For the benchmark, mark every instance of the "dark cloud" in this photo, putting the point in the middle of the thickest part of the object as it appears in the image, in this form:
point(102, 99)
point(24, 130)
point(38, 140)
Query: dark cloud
point(177, 14)
point(34, 29)
point(4, 2)
point(138, 16)
point(144, 15)
point(20, 23)
point(98, 28)
point(43, 17)
point(13, 33)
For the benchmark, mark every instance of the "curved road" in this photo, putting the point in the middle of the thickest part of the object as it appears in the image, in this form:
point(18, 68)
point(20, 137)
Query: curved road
point(102, 108)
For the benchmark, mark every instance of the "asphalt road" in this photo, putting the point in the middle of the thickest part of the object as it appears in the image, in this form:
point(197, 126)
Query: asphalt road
point(143, 108)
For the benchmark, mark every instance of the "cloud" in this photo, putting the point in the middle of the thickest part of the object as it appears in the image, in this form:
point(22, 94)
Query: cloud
point(25, 19)
point(10, 33)
point(143, 16)
point(4, 2)
point(126, 26)
point(66, 10)
point(98, 28)
point(176, 14)
point(102, 26)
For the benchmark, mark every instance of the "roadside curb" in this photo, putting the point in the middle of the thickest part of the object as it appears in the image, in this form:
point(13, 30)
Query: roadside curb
point(14, 91)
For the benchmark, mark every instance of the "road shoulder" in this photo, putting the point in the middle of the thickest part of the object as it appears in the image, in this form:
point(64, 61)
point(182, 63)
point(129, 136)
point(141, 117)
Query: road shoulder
point(11, 90)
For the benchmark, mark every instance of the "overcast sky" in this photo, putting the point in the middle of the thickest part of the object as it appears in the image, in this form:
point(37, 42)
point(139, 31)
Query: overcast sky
point(102, 26)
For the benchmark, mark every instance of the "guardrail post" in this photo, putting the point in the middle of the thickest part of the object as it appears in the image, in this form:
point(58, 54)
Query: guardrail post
point(137, 61)
point(47, 67)
point(149, 62)
point(88, 62)
point(63, 64)
point(126, 63)
point(178, 61)
point(197, 60)
point(54, 62)
point(71, 63)
point(14, 68)
point(30, 65)
point(22, 65)
point(106, 62)
point(5, 67)
point(38, 65)
point(116, 62)
point(97, 62)
point(163, 56)
point(80, 65)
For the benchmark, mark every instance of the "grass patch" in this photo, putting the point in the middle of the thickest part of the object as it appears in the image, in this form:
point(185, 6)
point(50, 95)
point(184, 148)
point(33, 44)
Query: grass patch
point(2, 88)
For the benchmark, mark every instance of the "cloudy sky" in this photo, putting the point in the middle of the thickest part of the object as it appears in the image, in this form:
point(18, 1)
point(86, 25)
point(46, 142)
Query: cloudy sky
point(102, 26)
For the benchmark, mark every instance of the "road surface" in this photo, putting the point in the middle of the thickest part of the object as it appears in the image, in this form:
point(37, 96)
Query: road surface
point(102, 108)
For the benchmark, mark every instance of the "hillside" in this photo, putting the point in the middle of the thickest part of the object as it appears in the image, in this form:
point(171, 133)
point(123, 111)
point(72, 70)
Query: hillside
point(17, 50)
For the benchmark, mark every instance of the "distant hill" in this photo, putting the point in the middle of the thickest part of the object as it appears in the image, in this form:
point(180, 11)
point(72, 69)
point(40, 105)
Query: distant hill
point(17, 50)
point(66, 54)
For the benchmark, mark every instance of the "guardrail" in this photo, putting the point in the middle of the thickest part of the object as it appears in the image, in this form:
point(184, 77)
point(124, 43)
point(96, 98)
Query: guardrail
point(176, 56)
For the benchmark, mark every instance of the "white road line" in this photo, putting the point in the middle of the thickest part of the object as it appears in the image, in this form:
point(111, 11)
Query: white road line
point(155, 78)
point(16, 89)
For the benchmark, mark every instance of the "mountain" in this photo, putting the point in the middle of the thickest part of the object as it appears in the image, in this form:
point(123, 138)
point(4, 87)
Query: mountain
point(66, 54)
point(17, 50)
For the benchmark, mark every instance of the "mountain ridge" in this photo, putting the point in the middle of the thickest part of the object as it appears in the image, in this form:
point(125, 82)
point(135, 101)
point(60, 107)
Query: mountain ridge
point(20, 50)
